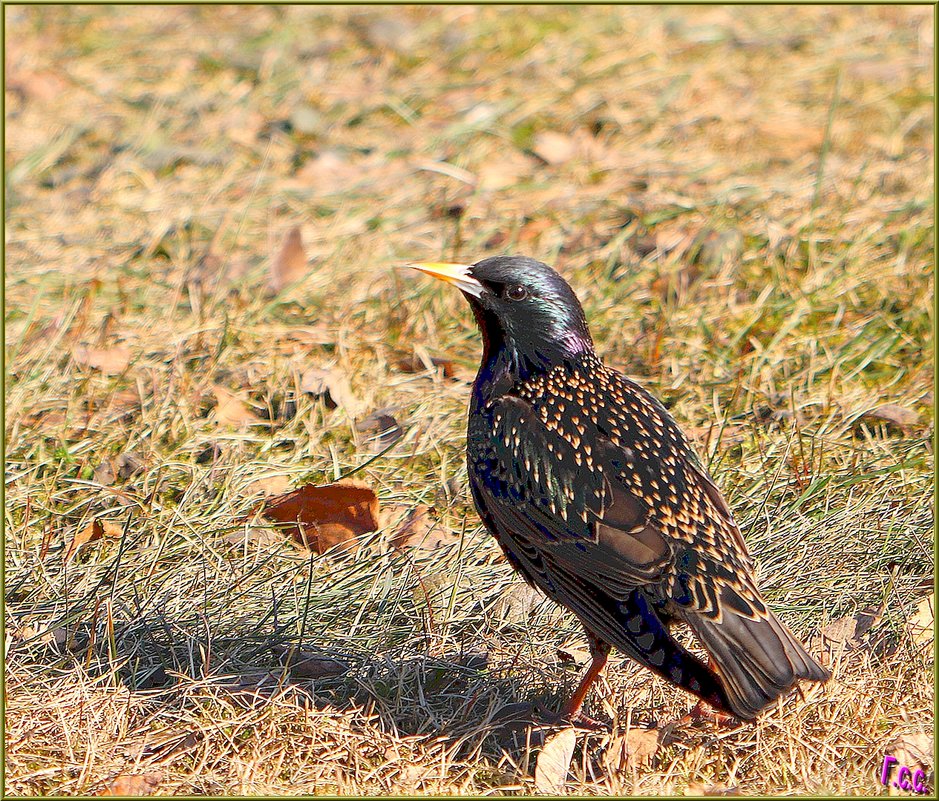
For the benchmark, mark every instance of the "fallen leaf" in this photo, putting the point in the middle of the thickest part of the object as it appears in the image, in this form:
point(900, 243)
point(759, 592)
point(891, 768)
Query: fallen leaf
point(312, 335)
point(922, 622)
point(104, 474)
point(332, 385)
point(915, 750)
point(554, 762)
point(415, 364)
point(575, 654)
point(421, 532)
point(305, 664)
point(847, 633)
point(133, 784)
point(633, 748)
point(110, 361)
point(211, 453)
point(892, 414)
point(713, 435)
point(504, 170)
point(698, 788)
point(273, 485)
point(289, 263)
point(325, 516)
point(383, 428)
point(95, 530)
point(554, 147)
point(230, 409)
point(128, 464)
point(252, 535)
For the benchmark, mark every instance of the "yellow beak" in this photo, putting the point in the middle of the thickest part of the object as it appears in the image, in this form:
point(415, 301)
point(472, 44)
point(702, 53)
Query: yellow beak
point(456, 274)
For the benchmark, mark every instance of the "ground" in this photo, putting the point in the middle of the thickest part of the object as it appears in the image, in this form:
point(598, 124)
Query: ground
point(742, 198)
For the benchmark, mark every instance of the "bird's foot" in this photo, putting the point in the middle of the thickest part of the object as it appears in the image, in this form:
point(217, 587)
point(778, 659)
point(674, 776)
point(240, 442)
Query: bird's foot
point(703, 712)
point(580, 720)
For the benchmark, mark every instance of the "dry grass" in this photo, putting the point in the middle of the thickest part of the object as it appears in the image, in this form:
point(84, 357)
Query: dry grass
point(747, 214)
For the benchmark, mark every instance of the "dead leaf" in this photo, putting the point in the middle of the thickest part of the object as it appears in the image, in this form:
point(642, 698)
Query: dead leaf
point(415, 364)
point(633, 748)
point(305, 664)
point(554, 147)
point(312, 335)
point(95, 530)
point(421, 532)
point(504, 170)
point(104, 474)
point(231, 410)
point(110, 361)
point(133, 784)
point(892, 414)
point(128, 464)
point(698, 788)
point(272, 485)
point(332, 386)
point(574, 654)
point(922, 622)
point(211, 453)
point(289, 264)
point(847, 633)
point(325, 516)
point(383, 428)
point(712, 435)
point(554, 762)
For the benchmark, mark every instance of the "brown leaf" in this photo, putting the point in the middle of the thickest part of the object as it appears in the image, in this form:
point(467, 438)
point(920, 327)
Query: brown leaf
point(104, 474)
point(383, 428)
point(923, 621)
point(415, 364)
point(847, 633)
point(305, 664)
point(325, 516)
point(95, 530)
point(892, 414)
point(915, 750)
point(129, 464)
point(633, 748)
point(230, 409)
point(421, 532)
point(289, 263)
point(554, 147)
point(332, 386)
point(133, 784)
point(554, 762)
point(110, 361)
point(272, 485)
point(312, 335)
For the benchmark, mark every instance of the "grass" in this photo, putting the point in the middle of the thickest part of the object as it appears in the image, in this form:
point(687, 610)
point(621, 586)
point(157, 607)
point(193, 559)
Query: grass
point(753, 245)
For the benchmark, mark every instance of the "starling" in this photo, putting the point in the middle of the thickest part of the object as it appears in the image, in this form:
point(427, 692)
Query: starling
point(597, 499)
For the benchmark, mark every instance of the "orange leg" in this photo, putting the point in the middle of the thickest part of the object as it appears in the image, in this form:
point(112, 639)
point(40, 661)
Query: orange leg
point(599, 651)
point(704, 711)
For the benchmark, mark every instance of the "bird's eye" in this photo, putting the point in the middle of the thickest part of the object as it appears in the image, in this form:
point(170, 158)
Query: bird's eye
point(516, 292)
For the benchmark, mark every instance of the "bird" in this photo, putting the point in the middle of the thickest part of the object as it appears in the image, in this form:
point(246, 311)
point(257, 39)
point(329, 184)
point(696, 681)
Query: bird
point(597, 499)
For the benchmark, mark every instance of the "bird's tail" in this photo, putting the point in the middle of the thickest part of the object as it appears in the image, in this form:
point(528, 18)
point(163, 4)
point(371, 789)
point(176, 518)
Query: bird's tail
point(758, 660)
point(640, 633)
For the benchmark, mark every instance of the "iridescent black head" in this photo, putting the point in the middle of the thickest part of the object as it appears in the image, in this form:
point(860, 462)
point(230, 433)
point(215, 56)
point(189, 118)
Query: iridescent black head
point(522, 306)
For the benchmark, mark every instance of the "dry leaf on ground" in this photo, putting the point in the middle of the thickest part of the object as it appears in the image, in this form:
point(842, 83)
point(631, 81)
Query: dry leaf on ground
point(420, 531)
point(289, 264)
point(922, 622)
point(848, 632)
point(634, 748)
point(305, 664)
point(230, 409)
point(332, 385)
point(554, 147)
point(133, 784)
point(110, 361)
point(325, 516)
point(95, 530)
point(415, 364)
point(382, 428)
point(891, 413)
point(554, 762)
point(272, 485)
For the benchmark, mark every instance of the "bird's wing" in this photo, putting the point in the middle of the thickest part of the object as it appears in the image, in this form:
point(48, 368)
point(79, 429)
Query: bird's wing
point(566, 501)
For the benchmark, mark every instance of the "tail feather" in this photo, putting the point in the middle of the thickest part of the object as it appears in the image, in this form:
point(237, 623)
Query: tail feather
point(758, 660)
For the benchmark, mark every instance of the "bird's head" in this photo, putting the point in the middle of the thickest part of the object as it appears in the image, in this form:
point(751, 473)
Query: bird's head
point(522, 306)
